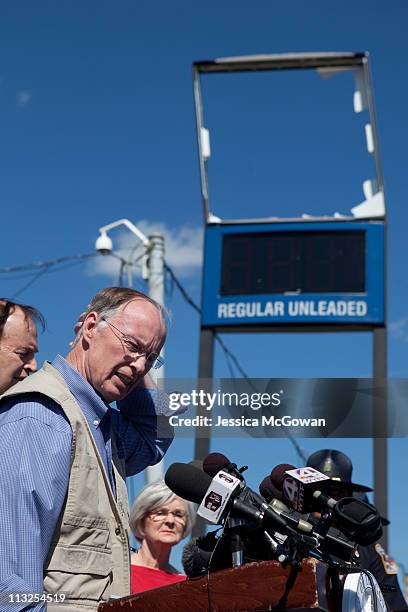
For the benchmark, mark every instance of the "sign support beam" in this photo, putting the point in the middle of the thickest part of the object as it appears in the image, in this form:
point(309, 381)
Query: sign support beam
point(380, 443)
point(202, 438)
point(205, 371)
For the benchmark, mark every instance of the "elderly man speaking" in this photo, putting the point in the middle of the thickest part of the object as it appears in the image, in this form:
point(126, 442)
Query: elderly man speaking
point(65, 453)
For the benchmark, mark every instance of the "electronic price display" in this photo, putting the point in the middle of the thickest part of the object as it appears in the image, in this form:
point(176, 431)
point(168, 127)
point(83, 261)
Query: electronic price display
point(302, 272)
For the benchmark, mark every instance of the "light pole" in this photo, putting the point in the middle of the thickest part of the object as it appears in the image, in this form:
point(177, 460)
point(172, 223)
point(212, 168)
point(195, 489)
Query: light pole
point(154, 246)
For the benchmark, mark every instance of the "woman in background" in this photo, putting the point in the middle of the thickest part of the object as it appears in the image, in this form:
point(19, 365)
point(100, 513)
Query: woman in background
point(159, 520)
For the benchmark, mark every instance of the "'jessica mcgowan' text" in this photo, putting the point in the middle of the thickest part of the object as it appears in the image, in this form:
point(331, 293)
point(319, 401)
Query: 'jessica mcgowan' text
point(243, 421)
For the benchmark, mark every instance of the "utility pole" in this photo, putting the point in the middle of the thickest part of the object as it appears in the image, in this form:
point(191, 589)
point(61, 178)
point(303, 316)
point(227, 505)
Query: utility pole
point(129, 273)
point(155, 267)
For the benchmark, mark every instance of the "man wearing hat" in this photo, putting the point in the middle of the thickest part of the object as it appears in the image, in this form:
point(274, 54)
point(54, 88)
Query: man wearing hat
point(339, 468)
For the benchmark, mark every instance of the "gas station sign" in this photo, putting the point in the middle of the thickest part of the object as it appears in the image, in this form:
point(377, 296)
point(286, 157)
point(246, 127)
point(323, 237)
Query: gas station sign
point(280, 273)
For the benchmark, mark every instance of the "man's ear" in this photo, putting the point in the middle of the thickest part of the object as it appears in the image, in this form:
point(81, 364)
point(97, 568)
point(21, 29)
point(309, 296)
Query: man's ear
point(89, 325)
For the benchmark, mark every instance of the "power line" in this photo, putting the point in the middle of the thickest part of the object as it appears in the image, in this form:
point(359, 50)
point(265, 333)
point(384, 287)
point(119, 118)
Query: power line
point(44, 267)
point(230, 357)
point(46, 264)
point(30, 282)
point(180, 287)
point(39, 268)
point(53, 262)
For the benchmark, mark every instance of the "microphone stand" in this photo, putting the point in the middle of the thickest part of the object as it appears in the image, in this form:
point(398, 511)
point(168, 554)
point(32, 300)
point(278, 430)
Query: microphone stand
point(237, 548)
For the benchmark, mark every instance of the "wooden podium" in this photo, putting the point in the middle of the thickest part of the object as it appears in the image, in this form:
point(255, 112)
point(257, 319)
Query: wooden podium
point(259, 586)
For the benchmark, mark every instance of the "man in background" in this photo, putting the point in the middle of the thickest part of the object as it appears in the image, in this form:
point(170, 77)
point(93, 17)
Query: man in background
point(18, 342)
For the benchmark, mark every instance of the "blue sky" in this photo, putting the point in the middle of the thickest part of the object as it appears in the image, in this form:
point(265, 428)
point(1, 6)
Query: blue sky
point(97, 123)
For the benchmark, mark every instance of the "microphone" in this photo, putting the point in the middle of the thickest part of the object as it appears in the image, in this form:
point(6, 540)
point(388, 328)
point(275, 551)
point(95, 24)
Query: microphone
point(331, 541)
point(273, 495)
point(214, 462)
point(265, 489)
point(293, 518)
point(192, 484)
point(358, 520)
point(198, 553)
point(187, 481)
point(271, 486)
point(194, 559)
point(301, 488)
point(213, 553)
point(217, 497)
point(292, 485)
point(212, 465)
point(298, 486)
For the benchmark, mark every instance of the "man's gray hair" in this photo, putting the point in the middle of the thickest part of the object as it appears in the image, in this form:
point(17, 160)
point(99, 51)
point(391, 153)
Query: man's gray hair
point(152, 497)
point(108, 301)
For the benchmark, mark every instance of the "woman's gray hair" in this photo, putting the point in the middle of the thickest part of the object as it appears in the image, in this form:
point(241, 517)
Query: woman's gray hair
point(152, 497)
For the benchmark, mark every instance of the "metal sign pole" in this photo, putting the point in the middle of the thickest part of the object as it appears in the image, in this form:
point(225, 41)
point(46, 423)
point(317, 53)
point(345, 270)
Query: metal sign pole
point(202, 435)
point(205, 371)
point(380, 442)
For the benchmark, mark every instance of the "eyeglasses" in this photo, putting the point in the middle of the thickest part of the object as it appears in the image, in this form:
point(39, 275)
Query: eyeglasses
point(134, 350)
point(159, 515)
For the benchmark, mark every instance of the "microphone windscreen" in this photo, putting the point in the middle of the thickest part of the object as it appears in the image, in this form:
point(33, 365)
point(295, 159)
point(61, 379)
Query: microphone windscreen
point(278, 475)
point(187, 481)
point(359, 521)
point(194, 560)
point(268, 491)
point(214, 462)
point(197, 554)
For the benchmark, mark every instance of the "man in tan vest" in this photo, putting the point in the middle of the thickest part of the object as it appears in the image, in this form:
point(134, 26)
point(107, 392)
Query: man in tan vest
point(65, 454)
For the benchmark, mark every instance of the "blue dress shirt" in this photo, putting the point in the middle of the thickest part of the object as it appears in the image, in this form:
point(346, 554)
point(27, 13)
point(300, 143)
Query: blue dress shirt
point(35, 450)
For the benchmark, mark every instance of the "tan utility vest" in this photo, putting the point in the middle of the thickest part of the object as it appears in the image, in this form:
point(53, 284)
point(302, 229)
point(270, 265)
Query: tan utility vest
point(89, 555)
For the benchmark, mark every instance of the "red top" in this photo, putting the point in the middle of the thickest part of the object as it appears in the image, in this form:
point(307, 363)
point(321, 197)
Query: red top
point(146, 578)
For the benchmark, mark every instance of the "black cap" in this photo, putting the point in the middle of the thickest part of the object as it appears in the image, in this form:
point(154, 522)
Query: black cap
point(337, 466)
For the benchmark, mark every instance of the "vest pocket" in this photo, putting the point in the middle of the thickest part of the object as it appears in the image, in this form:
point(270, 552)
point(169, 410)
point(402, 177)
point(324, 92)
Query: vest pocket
point(84, 576)
point(86, 531)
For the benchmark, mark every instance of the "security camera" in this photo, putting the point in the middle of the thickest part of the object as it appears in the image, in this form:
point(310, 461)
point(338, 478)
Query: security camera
point(103, 244)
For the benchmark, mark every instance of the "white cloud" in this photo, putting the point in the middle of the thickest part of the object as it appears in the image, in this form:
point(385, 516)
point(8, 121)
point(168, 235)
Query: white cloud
point(399, 329)
point(23, 97)
point(183, 250)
